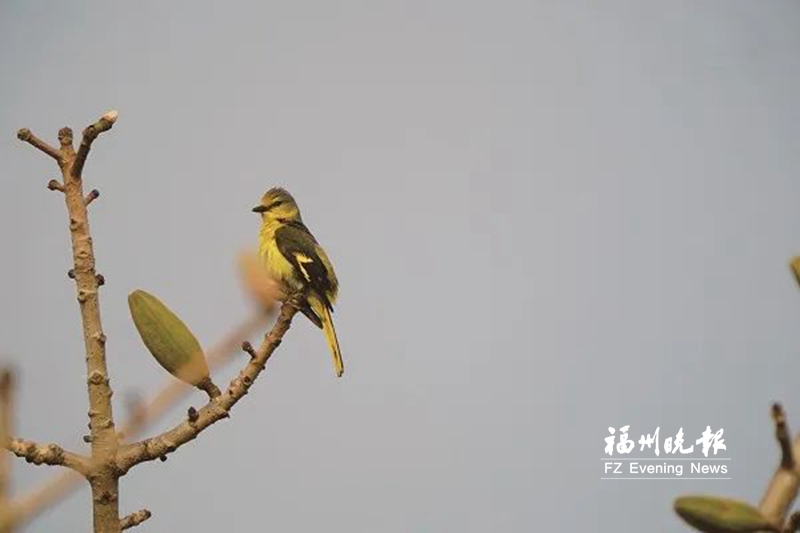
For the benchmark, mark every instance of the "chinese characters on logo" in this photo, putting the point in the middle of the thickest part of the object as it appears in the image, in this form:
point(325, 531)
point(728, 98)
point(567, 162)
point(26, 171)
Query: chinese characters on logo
point(708, 440)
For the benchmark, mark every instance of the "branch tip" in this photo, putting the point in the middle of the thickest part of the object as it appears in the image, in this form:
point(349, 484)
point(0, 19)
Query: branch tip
point(47, 454)
point(27, 136)
point(111, 116)
point(134, 519)
point(89, 135)
point(71, 273)
point(783, 436)
point(65, 138)
point(55, 185)
point(93, 195)
point(248, 349)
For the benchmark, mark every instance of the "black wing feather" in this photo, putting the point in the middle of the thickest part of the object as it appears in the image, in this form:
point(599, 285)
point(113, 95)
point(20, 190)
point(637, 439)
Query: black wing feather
point(312, 316)
point(295, 241)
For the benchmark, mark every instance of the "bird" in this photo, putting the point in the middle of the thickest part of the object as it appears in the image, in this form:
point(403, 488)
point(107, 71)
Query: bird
point(294, 259)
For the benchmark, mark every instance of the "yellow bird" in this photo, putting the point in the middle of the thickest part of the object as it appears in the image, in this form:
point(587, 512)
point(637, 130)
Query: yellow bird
point(295, 259)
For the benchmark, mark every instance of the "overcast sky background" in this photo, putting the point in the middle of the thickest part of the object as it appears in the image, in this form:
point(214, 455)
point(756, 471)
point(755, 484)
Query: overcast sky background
point(547, 218)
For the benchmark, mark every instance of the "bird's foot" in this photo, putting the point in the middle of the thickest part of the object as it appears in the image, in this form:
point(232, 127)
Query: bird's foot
point(297, 299)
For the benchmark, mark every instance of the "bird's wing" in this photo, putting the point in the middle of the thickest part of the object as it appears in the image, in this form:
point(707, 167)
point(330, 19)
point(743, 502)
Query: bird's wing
point(300, 248)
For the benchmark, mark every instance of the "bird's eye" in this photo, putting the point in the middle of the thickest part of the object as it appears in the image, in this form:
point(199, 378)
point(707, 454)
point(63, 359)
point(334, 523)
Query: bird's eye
point(274, 205)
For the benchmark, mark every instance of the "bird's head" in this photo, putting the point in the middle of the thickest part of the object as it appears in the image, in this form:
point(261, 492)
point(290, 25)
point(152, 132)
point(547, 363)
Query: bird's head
point(278, 204)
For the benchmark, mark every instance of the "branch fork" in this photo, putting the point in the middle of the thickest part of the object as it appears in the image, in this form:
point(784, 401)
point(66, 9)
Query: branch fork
point(104, 441)
point(108, 460)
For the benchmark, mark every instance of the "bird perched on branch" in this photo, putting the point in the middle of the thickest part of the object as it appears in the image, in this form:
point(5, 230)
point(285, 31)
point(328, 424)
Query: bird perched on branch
point(295, 259)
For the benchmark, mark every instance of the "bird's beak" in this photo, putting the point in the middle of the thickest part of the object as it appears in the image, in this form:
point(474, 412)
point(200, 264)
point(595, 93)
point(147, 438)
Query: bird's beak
point(259, 209)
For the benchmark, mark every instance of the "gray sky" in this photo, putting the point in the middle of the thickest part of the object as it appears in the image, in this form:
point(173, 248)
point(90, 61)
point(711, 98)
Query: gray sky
point(547, 218)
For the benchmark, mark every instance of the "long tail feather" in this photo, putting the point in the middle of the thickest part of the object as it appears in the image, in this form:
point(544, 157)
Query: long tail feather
point(330, 335)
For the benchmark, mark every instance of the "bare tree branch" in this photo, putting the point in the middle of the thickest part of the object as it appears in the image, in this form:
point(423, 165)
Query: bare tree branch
point(48, 454)
point(216, 409)
point(28, 506)
point(89, 135)
point(104, 482)
point(25, 135)
point(55, 185)
point(783, 488)
point(134, 519)
point(783, 436)
point(93, 195)
point(102, 478)
point(108, 462)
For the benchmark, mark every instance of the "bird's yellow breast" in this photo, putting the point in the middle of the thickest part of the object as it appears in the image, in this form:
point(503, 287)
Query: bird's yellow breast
point(279, 268)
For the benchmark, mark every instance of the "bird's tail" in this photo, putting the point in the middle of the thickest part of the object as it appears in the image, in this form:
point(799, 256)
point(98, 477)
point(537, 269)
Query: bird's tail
point(330, 334)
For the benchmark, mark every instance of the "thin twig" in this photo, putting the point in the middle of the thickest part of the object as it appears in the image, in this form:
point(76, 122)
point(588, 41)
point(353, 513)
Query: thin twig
point(25, 135)
point(93, 195)
point(89, 135)
point(48, 454)
point(55, 185)
point(215, 410)
point(783, 436)
point(28, 506)
point(248, 349)
point(152, 410)
point(785, 484)
point(134, 519)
